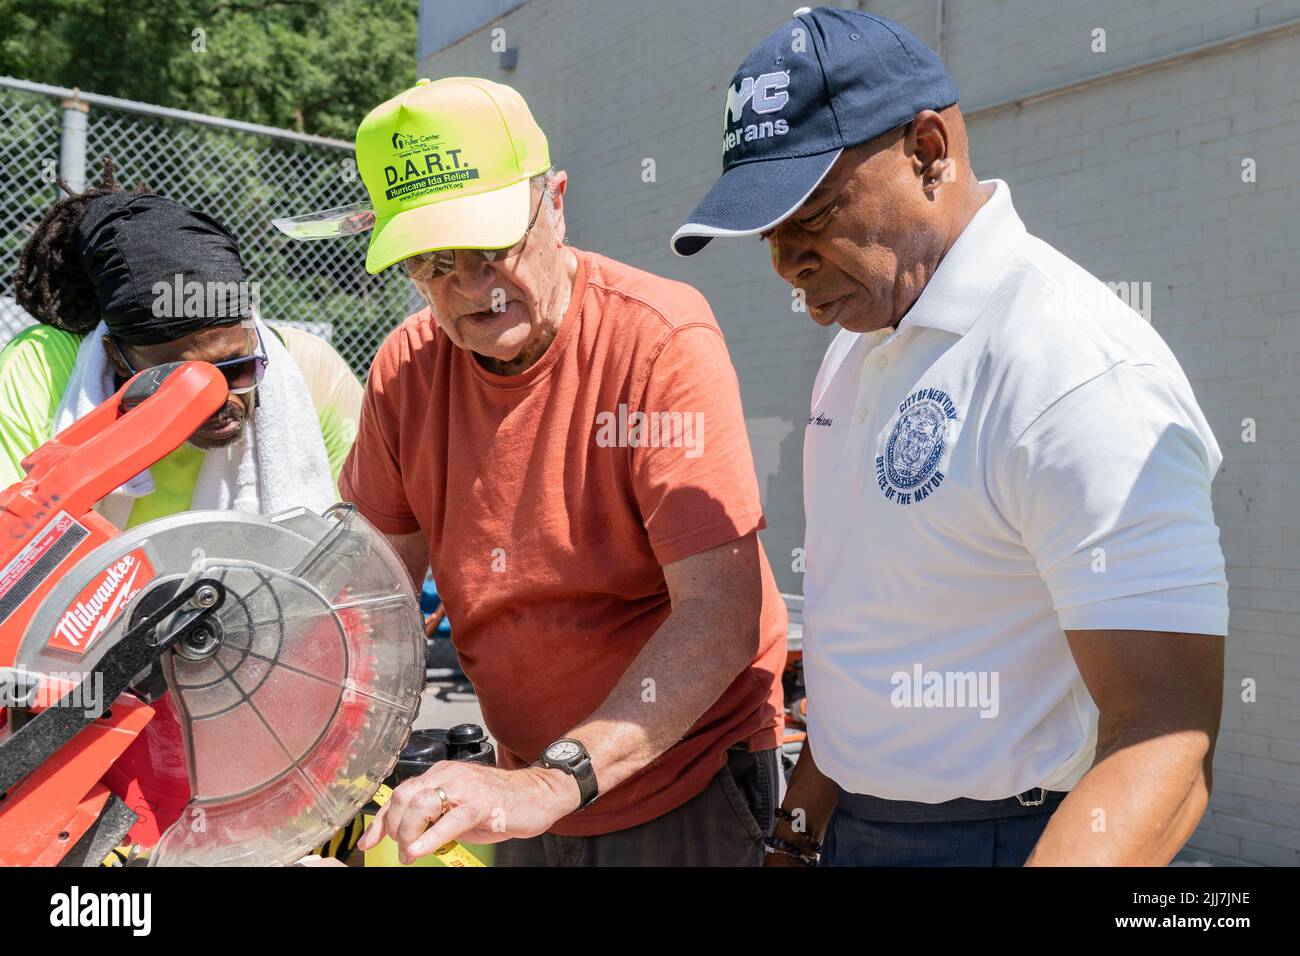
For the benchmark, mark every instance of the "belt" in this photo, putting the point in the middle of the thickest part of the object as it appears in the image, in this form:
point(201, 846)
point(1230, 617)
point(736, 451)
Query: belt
point(1036, 800)
point(1032, 798)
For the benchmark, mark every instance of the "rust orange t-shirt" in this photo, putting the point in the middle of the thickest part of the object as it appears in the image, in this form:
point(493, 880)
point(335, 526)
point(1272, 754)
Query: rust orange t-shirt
point(551, 506)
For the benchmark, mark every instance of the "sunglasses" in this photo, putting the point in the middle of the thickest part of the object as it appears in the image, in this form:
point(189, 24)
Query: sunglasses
point(243, 374)
point(434, 265)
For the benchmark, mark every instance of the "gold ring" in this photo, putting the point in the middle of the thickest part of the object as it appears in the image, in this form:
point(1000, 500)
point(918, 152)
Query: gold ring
point(446, 804)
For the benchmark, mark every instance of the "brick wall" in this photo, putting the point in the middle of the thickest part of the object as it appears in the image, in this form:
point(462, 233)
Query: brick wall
point(1138, 179)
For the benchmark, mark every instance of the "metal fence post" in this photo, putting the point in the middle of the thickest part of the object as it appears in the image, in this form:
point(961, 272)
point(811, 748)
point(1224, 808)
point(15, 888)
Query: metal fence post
point(72, 145)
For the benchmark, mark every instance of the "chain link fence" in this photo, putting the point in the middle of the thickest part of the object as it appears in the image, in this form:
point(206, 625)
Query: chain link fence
point(242, 175)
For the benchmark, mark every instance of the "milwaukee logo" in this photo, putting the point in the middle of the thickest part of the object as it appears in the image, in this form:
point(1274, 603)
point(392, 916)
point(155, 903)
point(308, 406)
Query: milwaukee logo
point(100, 603)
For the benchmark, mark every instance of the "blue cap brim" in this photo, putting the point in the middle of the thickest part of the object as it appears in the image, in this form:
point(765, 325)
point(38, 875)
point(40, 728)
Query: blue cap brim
point(752, 198)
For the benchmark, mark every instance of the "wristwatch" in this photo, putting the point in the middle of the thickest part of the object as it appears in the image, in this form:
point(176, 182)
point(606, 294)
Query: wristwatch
point(571, 756)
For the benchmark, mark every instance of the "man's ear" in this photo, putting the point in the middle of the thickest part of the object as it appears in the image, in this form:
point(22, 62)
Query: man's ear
point(929, 143)
point(114, 358)
point(558, 185)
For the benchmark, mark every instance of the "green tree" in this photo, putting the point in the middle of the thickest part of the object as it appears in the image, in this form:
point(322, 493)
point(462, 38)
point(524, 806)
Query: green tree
point(308, 65)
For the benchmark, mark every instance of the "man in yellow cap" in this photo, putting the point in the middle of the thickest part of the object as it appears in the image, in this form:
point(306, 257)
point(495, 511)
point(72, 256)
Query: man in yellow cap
point(559, 437)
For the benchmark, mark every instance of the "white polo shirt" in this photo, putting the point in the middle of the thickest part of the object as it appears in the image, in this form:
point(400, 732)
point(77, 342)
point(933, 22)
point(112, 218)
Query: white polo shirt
point(1020, 457)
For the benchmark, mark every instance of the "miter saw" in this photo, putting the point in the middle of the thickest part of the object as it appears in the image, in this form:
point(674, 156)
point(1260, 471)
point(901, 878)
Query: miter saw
point(216, 687)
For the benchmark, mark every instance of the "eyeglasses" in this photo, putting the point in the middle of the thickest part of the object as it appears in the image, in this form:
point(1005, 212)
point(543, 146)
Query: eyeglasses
point(434, 265)
point(242, 374)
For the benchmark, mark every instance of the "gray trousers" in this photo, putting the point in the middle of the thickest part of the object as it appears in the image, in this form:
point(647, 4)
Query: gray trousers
point(722, 826)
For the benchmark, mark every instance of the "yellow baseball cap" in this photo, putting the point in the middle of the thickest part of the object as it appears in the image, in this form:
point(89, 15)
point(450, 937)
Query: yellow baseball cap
point(447, 165)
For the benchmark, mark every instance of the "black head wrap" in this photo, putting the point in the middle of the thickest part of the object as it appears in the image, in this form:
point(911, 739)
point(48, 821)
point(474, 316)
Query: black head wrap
point(160, 271)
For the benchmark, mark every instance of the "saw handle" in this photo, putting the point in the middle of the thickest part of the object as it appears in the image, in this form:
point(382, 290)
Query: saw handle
point(145, 385)
point(106, 448)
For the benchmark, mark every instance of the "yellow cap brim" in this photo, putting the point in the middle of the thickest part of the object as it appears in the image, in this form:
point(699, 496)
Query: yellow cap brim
point(491, 220)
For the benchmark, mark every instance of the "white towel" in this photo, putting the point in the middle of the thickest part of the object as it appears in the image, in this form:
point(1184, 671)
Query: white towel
point(279, 461)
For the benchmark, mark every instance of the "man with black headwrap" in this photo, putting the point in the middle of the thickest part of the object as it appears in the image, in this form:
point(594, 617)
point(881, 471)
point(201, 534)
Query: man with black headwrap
point(121, 281)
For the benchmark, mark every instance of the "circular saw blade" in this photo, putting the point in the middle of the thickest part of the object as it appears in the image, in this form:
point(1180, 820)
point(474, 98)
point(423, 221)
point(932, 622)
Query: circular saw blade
point(297, 708)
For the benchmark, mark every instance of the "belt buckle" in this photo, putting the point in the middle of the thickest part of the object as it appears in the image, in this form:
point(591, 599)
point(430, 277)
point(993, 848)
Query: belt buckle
point(1042, 797)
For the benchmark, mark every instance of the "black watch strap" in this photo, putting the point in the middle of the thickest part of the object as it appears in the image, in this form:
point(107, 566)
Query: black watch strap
point(578, 765)
point(585, 774)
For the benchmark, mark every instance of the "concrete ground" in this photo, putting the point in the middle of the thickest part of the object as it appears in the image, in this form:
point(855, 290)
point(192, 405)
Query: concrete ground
point(447, 702)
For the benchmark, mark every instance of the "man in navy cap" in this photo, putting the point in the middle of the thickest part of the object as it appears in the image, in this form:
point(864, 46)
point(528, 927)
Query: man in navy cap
point(1015, 599)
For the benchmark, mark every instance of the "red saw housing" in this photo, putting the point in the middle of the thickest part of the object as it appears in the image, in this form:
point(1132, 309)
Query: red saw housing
point(47, 525)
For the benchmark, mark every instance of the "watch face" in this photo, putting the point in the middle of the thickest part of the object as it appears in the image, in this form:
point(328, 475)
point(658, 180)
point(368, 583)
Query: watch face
point(562, 751)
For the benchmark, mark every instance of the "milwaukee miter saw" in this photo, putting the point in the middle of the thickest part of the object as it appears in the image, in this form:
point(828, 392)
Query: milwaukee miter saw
point(215, 687)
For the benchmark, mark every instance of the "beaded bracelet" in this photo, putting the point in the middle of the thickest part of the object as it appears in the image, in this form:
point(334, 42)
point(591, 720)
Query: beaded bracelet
point(783, 814)
point(785, 847)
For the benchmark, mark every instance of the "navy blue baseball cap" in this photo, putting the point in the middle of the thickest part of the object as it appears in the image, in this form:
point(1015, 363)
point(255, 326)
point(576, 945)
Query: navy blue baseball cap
point(827, 80)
